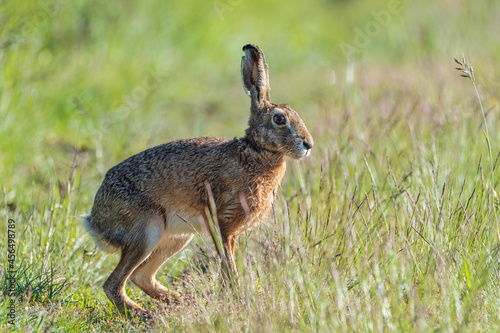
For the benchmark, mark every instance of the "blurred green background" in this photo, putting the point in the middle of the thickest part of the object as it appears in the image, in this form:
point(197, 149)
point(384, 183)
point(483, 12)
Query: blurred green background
point(111, 78)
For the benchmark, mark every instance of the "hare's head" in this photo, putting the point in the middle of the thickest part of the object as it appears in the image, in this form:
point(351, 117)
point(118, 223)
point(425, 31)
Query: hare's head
point(274, 127)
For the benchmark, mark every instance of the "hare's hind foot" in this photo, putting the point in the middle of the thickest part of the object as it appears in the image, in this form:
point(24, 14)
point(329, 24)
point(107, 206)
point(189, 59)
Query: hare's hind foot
point(120, 299)
point(168, 296)
point(144, 275)
point(156, 290)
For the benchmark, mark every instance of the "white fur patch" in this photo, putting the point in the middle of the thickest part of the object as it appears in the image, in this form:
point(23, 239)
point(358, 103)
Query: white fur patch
point(183, 224)
point(154, 232)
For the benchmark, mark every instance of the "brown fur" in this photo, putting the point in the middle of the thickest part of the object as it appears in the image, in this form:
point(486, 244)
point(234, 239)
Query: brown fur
point(148, 205)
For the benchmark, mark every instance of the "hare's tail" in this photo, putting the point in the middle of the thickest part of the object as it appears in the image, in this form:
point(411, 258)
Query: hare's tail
point(96, 233)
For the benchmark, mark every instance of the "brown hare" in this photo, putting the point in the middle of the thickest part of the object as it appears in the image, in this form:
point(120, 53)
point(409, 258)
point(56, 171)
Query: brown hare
point(150, 205)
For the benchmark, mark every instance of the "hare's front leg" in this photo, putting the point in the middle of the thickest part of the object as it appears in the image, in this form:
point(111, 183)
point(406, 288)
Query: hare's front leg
point(229, 265)
point(144, 275)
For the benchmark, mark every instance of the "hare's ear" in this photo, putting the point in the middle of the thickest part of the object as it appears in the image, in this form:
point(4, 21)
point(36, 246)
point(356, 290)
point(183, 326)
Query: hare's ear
point(255, 75)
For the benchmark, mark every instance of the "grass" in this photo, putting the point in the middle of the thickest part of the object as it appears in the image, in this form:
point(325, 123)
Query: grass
point(390, 225)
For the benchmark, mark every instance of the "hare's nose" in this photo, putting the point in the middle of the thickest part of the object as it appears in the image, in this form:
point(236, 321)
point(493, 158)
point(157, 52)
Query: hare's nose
point(307, 145)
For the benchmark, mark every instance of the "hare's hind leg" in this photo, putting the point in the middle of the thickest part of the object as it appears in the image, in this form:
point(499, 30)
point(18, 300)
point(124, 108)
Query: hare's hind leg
point(136, 250)
point(144, 275)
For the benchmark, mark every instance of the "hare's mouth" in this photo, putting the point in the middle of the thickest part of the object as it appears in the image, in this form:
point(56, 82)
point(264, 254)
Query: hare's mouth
point(300, 154)
point(305, 149)
point(306, 152)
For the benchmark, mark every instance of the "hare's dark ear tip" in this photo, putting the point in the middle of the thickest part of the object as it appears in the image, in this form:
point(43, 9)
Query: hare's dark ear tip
point(250, 47)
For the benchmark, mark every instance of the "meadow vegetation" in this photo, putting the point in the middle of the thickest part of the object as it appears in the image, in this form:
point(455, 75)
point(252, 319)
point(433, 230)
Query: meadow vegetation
point(392, 223)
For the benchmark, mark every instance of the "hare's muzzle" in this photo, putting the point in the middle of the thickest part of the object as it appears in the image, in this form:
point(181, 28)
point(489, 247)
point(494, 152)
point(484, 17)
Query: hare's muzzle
point(306, 147)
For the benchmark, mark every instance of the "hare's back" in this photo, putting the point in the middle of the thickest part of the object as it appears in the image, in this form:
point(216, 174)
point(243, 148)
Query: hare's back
point(171, 168)
point(181, 157)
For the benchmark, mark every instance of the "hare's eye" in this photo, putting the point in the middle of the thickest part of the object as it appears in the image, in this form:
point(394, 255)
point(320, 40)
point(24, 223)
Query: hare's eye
point(279, 119)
